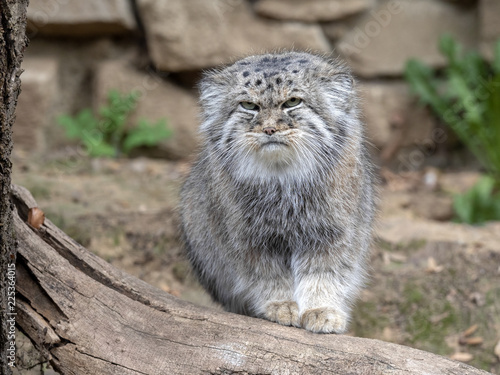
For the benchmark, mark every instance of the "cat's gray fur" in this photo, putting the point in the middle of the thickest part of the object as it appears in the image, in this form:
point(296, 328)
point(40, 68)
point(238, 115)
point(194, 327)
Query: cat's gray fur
point(279, 225)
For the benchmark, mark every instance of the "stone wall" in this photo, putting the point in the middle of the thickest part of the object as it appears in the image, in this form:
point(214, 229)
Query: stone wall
point(81, 49)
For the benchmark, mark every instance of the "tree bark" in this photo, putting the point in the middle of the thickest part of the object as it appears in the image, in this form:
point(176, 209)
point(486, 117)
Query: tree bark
point(88, 317)
point(12, 45)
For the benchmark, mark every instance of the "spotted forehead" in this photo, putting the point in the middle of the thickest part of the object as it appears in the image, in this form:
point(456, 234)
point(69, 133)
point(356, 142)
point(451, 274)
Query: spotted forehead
point(268, 66)
point(265, 73)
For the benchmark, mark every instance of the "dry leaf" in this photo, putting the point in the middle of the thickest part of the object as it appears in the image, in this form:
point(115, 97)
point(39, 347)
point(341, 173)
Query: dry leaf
point(398, 258)
point(432, 266)
point(36, 217)
point(473, 340)
point(477, 298)
point(462, 357)
point(470, 340)
point(175, 293)
point(469, 331)
point(388, 334)
point(497, 350)
point(386, 258)
point(437, 318)
point(165, 288)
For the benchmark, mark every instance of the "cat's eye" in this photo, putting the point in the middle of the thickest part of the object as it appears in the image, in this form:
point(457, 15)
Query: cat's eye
point(292, 102)
point(250, 106)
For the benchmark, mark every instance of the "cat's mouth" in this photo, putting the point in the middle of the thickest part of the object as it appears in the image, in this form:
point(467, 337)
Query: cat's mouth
point(273, 142)
point(276, 144)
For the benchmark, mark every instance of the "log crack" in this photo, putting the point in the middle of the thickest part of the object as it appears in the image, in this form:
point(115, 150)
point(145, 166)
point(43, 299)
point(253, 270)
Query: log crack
point(79, 350)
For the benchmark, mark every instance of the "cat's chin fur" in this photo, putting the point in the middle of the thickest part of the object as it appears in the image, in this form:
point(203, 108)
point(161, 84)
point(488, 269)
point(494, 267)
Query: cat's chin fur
point(260, 170)
point(262, 161)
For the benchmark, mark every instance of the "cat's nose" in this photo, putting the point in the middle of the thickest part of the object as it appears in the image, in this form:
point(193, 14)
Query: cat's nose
point(269, 130)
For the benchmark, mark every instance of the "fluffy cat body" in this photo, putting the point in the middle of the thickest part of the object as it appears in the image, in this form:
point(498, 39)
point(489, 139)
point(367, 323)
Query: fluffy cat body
point(277, 211)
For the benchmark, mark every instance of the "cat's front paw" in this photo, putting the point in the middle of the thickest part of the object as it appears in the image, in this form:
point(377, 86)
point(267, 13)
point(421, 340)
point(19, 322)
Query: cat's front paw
point(324, 320)
point(283, 312)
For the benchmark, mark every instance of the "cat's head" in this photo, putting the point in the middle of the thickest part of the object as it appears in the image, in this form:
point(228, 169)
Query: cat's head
point(279, 115)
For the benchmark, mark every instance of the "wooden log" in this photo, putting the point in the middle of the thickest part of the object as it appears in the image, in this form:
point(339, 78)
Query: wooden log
point(88, 317)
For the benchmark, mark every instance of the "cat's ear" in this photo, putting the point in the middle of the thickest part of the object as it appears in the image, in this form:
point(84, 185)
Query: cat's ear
point(344, 80)
point(210, 86)
point(340, 89)
point(212, 97)
point(214, 91)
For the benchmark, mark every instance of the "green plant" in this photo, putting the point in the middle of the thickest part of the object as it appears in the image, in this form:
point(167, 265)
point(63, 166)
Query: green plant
point(481, 203)
point(108, 134)
point(466, 96)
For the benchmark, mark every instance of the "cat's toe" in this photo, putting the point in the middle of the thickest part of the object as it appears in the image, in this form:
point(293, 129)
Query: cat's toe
point(283, 312)
point(324, 320)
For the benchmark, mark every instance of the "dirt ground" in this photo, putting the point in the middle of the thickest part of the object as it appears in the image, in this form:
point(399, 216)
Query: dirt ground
point(435, 284)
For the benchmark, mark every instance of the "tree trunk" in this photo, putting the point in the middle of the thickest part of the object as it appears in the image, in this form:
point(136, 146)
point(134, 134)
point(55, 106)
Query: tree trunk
point(12, 44)
point(88, 317)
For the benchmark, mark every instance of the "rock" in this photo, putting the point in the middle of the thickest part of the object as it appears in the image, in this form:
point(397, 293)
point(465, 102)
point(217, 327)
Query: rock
point(489, 10)
point(384, 40)
point(402, 230)
point(432, 207)
point(80, 18)
point(335, 30)
point(458, 182)
point(392, 114)
point(497, 349)
point(159, 99)
point(35, 106)
point(310, 11)
point(196, 34)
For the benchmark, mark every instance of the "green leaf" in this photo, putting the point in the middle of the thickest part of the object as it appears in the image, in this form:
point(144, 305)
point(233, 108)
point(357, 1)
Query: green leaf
point(107, 135)
point(71, 126)
point(95, 144)
point(119, 108)
point(101, 149)
point(462, 205)
point(450, 48)
point(484, 188)
point(480, 204)
point(423, 84)
point(474, 69)
point(75, 126)
point(146, 134)
point(496, 58)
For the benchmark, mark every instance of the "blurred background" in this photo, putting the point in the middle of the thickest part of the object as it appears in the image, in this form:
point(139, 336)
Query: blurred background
point(107, 124)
